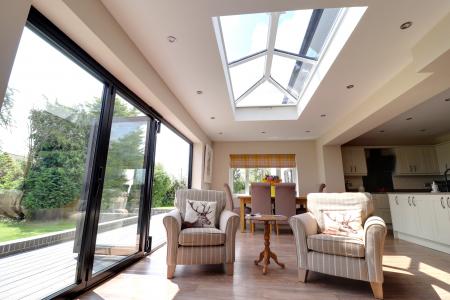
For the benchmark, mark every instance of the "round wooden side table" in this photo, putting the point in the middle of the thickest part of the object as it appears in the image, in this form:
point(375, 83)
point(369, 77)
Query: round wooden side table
point(267, 254)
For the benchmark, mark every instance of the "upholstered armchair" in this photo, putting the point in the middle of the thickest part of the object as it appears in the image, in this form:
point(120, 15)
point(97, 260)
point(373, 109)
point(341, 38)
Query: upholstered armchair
point(191, 246)
point(350, 257)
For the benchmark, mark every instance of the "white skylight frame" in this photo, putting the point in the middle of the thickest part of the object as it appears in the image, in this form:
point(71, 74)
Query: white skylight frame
point(323, 49)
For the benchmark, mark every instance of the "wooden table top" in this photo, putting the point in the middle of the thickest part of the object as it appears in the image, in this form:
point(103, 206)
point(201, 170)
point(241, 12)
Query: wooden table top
point(266, 217)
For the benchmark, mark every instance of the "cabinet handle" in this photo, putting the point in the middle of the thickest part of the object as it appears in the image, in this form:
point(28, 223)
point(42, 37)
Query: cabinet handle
point(412, 200)
point(409, 198)
point(448, 203)
point(396, 200)
point(442, 202)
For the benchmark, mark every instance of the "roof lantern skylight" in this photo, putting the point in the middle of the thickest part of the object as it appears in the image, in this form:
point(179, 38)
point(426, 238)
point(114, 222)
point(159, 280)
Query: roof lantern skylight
point(270, 57)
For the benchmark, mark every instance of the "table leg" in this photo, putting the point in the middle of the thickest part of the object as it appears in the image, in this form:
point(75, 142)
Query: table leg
point(267, 254)
point(242, 215)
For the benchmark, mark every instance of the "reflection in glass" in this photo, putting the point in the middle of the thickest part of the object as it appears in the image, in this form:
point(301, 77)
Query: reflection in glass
point(48, 123)
point(244, 34)
point(123, 188)
point(291, 74)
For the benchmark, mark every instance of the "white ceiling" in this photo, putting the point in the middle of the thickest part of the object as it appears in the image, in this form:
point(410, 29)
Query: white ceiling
point(376, 51)
point(430, 121)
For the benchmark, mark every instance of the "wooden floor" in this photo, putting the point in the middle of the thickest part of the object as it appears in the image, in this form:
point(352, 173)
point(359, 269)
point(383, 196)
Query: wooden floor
point(411, 272)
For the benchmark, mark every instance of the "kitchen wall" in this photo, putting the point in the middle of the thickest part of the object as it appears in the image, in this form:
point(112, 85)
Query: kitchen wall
point(305, 155)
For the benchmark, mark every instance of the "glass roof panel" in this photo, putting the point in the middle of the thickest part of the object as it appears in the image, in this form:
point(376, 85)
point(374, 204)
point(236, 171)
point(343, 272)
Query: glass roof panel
point(290, 74)
point(245, 75)
point(324, 27)
point(264, 95)
point(292, 27)
point(244, 35)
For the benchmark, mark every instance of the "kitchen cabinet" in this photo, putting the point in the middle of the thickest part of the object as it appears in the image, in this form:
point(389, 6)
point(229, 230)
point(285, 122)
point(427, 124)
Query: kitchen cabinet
point(354, 161)
point(416, 160)
point(443, 155)
point(423, 219)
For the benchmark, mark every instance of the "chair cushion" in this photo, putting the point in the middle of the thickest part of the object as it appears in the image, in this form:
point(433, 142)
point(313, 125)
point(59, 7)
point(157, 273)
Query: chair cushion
point(201, 237)
point(336, 245)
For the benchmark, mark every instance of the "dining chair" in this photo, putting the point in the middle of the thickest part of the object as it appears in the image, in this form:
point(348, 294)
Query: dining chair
point(230, 202)
point(285, 202)
point(261, 201)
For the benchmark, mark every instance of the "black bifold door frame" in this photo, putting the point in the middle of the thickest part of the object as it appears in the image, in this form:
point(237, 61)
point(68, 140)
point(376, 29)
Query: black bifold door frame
point(98, 157)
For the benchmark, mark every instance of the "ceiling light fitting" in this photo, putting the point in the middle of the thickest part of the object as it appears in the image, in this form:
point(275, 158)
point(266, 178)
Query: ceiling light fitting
point(212, 118)
point(447, 99)
point(171, 39)
point(409, 119)
point(263, 132)
point(307, 131)
point(199, 92)
point(381, 131)
point(350, 86)
point(406, 25)
point(323, 115)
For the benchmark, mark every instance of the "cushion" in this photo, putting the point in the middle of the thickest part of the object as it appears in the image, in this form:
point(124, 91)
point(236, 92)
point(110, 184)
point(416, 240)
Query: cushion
point(182, 195)
point(336, 245)
point(339, 201)
point(201, 237)
point(343, 222)
point(200, 214)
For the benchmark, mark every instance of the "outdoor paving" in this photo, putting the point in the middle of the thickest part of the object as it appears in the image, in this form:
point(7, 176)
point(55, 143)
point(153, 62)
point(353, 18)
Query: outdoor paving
point(38, 273)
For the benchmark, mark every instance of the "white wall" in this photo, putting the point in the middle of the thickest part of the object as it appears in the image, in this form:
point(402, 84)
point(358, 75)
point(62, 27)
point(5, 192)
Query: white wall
point(305, 155)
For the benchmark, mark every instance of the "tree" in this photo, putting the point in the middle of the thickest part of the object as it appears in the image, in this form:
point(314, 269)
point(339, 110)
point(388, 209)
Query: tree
point(5, 108)
point(11, 172)
point(238, 181)
point(161, 187)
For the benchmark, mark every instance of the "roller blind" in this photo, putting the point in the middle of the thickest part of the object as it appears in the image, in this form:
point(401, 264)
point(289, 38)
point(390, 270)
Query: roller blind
point(262, 161)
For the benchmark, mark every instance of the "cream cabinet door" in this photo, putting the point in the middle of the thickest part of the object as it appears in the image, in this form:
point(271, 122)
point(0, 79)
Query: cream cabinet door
point(443, 156)
point(424, 211)
point(397, 206)
point(427, 161)
point(347, 161)
point(354, 161)
point(441, 206)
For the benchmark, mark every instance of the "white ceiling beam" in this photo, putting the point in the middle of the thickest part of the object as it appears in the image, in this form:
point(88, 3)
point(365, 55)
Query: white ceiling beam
point(246, 59)
point(273, 27)
point(251, 89)
point(282, 89)
point(296, 57)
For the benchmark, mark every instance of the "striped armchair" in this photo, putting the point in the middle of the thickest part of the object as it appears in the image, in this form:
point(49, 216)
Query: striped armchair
point(353, 258)
point(193, 246)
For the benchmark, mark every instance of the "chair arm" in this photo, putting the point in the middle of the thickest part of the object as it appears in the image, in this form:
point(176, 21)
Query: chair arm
point(303, 225)
point(172, 223)
point(374, 236)
point(229, 223)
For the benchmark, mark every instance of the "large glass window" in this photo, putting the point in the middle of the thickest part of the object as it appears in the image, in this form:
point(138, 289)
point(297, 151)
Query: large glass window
point(48, 119)
point(172, 172)
point(283, 46)
point(241, 178)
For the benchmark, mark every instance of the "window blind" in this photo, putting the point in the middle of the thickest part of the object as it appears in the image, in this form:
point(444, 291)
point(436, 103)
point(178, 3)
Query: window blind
point(262, 161)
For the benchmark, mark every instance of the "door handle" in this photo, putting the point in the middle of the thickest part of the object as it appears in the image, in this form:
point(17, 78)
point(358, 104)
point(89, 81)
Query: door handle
point(412, 200)
point(396, 200)
point(448, 203)
point(442, 202)
point(409, 198)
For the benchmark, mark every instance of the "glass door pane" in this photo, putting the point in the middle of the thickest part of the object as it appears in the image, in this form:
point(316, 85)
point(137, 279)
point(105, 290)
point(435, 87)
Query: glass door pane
point(48, 124)
point(118, 231)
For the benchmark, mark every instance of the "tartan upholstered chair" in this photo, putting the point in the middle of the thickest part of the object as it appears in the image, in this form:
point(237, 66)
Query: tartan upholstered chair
point(192, 246)
point(350, 257)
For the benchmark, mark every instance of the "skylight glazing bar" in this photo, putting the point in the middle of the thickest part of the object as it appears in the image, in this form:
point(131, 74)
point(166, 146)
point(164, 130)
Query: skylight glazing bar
point(282, 89)
point(251, 89)
point(246, 59)
point(295, 56)
point(273, 28)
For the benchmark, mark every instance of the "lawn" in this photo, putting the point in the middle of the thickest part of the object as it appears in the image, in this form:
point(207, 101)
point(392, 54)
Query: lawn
point(13, 230)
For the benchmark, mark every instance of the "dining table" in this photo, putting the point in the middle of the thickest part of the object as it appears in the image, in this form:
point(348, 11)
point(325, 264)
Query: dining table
point(247, 199)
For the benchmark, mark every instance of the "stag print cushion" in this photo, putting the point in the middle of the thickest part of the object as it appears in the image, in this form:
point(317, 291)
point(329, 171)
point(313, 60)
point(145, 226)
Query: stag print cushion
point(199, 214)
point(343, 222)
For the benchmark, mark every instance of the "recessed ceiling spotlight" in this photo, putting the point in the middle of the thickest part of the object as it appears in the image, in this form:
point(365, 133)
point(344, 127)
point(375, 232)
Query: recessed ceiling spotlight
point(263, 132)
point(323, 115)
point(350, 86)
point(171, 39)
point(221, 133)
point(212, 118)
point(422, 130)
point(307, 131)
point(199, 92)
point(381, 131)
point(409, 119)
point(447, 99)
point(406, 25)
